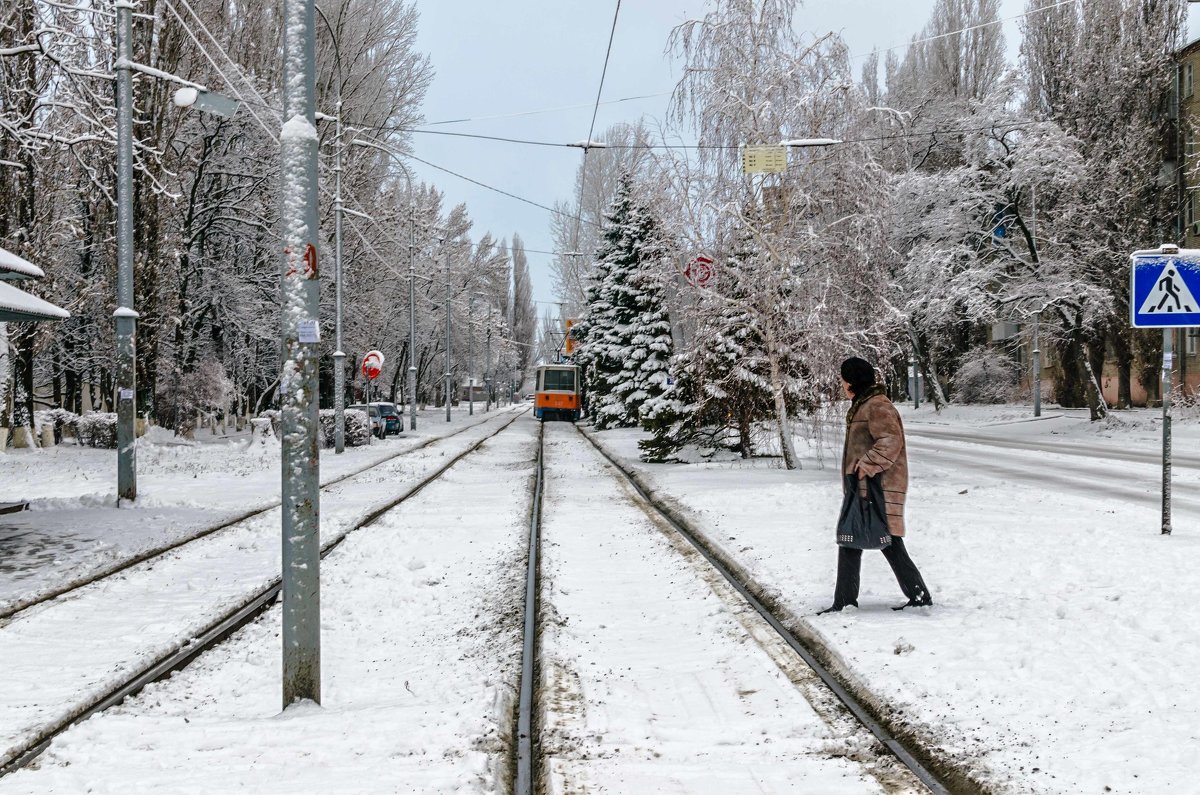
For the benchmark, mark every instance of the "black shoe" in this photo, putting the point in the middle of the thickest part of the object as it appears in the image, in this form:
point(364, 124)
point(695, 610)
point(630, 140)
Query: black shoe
point(923, 602)
point(835, 608)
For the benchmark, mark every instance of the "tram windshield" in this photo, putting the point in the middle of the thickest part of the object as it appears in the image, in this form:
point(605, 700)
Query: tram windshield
point(558, 379)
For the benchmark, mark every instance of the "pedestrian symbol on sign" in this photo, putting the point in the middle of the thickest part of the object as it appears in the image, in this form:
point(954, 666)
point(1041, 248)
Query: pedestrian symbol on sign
point(1169, 296)
point(1163, 286)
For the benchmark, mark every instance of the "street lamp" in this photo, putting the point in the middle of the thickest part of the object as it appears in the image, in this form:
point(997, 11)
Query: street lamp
point(412, 280)
point(339, 355)
point(446, 260)
point(470, 356)
point(126, 316)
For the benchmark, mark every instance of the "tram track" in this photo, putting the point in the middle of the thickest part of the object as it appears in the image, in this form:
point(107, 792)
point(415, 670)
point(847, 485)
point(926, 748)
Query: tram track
point(13, 610)
point(935, 772)
point(186, 649)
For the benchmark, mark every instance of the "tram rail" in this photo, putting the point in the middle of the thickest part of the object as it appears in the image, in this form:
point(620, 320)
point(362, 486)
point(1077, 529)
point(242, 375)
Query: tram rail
point(934, 772)
point(14, 609)
point(231, 620)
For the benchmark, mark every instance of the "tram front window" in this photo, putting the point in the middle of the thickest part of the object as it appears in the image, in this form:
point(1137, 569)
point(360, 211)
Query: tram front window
point(559, 379)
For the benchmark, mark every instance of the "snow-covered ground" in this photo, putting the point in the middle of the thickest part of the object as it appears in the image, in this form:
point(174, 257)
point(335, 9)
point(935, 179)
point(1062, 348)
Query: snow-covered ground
point(658, 678)
point(420, 659)
point(62, 655)
point(1060, 653)
point(1058, 657)
point(73, 527)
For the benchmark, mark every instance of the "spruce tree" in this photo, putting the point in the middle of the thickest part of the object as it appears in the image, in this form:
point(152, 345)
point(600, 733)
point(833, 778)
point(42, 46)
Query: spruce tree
point(625, 342)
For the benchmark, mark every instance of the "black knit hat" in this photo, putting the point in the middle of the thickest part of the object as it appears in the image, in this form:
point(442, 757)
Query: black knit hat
point(858, 373)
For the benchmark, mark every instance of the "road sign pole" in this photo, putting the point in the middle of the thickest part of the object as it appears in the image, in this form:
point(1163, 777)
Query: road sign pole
point(448, 362)
point(300, 287)
point(1168, 361)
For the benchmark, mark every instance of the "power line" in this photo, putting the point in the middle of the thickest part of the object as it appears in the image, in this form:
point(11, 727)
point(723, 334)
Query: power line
point(587, 146)
point(545, 110)
point(970, 28)
point(530, 142)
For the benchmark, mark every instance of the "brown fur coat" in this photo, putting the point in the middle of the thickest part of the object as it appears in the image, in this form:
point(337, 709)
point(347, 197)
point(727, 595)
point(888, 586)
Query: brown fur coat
point(875, 444)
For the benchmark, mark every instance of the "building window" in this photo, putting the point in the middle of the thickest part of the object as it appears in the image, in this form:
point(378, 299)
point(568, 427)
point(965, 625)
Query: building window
point(1193, 341)
point(1187, 81)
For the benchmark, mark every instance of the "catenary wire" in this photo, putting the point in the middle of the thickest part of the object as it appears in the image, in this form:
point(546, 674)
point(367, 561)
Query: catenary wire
point(970, 28)
point(587, 146)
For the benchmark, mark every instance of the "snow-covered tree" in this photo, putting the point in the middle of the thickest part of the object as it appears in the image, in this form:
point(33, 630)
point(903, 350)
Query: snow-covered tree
point(625, 338)
point(812, 281)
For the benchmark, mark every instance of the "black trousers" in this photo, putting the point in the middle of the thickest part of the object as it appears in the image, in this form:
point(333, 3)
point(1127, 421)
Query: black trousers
point(850, 563)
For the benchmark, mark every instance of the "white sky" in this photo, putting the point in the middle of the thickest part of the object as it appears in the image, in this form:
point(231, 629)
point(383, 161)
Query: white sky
point(501, 58)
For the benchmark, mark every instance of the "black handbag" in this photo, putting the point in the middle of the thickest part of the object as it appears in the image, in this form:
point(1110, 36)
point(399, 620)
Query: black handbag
point(862, 523)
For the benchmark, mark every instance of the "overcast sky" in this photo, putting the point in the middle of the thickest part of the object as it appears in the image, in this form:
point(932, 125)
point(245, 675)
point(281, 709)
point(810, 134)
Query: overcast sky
point(497, 59)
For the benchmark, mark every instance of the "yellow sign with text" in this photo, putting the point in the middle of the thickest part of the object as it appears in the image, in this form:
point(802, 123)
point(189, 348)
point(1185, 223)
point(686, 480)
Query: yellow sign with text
point(764, 159)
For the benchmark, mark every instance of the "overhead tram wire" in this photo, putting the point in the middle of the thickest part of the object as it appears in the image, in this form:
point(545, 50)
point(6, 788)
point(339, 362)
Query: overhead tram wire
point(555, 144)
point(259, 101)
point(970, 28)
point(587, 146)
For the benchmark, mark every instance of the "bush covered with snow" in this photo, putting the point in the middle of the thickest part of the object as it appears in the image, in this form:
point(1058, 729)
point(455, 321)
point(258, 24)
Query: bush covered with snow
point(273, 416)
point(357, 427)
point(985, 376)
point(97, 429)
point(58, 419)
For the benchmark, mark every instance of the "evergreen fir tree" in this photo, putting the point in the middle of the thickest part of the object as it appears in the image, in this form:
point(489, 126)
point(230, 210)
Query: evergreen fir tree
point(625, 343)
point(721, 387)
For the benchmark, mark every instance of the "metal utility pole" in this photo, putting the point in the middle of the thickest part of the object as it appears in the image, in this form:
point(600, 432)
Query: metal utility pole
point(448, 362)
point(487, 365)
point(126, 317)
point(300, 298)
point(339, 356)
point(1167, 362)
point(412, 315)
point(470, 357)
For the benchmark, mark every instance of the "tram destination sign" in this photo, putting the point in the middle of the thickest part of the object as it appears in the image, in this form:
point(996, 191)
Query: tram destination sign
point(1163, 286)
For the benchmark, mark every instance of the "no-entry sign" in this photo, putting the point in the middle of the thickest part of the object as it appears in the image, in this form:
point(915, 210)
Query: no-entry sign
point(372, 365)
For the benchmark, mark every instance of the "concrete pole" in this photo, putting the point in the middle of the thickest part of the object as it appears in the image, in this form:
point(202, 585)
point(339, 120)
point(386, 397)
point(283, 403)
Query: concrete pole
point(412, 316)
point(914, 377)
point(339, 356)
point(126, 317)
point(300, 298)
point(448, 361)
point(1168, 361)
point(1037, 364)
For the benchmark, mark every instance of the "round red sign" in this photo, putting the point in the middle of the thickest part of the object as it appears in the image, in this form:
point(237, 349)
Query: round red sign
point(372, 364)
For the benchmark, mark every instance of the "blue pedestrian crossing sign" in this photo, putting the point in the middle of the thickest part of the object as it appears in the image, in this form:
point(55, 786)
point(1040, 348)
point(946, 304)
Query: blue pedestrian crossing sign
point(1163, 287)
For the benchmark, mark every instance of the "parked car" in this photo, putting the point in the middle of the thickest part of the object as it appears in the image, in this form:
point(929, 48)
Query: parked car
point(378, 424)
point(392, 422)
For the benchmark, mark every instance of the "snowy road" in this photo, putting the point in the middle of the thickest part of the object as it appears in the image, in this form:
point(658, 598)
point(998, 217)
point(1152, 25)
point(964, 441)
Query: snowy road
point(1132, 480)
point(658, 677)
point(1182, 459)
point(98, 636)
point(421, 644)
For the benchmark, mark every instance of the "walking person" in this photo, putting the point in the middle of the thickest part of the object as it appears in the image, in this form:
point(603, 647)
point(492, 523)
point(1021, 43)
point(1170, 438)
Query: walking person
point(875, 446)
